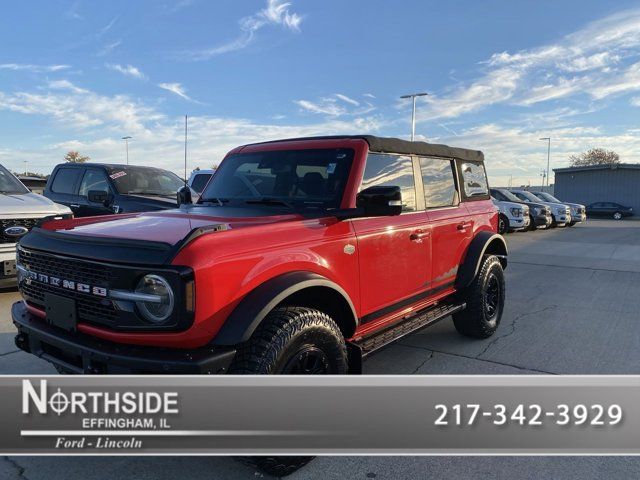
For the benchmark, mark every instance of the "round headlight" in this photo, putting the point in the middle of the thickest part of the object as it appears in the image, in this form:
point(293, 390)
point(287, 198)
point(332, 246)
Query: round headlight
point(160, 304)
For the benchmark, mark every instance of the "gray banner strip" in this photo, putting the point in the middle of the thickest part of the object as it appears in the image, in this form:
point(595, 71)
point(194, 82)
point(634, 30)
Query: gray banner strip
point(320, 415)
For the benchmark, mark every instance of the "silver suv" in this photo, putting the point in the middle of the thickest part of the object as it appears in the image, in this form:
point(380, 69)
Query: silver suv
point(578, 211)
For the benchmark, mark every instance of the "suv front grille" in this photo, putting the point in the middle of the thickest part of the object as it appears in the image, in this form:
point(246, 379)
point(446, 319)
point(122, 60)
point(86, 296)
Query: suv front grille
point(90, 308)
point(5, 223)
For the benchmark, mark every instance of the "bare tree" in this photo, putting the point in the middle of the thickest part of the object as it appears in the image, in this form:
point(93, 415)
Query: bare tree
point(595, 156)
point(75, 157)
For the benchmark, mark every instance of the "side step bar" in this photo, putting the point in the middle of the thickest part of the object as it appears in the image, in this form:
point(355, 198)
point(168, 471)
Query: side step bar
point(404, 327)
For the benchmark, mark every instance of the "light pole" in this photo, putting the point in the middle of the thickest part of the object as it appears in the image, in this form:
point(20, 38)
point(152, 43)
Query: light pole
point(126, 146)
point(413, 96)
point(548, 139)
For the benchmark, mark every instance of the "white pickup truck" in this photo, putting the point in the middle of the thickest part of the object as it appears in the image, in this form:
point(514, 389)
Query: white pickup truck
point(20, 210)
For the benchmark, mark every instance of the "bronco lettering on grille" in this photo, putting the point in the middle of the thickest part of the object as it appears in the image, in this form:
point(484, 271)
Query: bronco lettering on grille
point(62, 283)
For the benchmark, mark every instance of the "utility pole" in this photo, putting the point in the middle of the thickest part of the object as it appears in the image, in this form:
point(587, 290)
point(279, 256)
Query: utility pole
point(186, 120)
point(548, 139)
point(413, 96)
point(25, 168)
point(126, 146)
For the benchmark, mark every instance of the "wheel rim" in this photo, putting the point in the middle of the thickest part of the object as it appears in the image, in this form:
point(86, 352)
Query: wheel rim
point(617, 216)
point(309, 360)
point(492, 296)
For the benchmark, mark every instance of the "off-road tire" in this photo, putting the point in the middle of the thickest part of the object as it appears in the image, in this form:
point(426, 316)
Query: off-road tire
point(476, 320)
point(503, 224)
point(275, 466)
point(285, 333)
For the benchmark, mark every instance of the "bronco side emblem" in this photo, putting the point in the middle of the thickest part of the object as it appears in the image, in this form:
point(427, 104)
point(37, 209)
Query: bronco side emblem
point(349, 249)
point(15, 231)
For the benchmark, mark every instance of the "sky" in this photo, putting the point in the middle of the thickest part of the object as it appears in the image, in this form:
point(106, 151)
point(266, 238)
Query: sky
point(80, 75)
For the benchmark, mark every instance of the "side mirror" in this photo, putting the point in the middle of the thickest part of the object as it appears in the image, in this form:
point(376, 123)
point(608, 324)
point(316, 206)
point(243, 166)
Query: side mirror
point(99, 196)
point(380, 201)
point(184, 196)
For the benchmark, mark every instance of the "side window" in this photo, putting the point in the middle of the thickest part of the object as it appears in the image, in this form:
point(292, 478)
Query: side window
point(439, 182)
point(65, 180)
point(93, 180)
point(392, 170)
point(200, 181)
point(474, 179)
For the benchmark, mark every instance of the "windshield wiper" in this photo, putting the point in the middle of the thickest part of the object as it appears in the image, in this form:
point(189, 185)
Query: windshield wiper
point(270, 201)
point(219, 201)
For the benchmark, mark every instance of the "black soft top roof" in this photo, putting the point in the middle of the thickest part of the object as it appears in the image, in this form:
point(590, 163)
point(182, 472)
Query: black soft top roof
point(397, 145)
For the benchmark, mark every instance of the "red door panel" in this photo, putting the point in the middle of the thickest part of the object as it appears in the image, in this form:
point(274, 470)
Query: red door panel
point(394, 259)
point(452, 230)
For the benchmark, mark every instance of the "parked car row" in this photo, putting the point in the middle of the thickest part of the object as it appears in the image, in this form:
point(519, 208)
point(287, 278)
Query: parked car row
point(530, 210)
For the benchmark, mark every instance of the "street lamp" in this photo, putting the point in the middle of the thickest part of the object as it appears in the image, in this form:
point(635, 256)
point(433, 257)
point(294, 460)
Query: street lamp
point(126, 146)
point(548, 139)
point(413, 96)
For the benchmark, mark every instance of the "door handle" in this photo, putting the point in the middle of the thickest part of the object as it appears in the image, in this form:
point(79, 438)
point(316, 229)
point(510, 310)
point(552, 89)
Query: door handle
point(464, 225)
point(418, 235)
point(74, 205)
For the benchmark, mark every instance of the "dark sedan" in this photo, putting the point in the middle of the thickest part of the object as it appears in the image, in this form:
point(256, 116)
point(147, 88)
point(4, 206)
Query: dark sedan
point(609, 209)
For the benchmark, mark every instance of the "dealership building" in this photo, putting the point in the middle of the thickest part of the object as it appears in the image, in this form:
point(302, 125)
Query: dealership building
point(599, 183)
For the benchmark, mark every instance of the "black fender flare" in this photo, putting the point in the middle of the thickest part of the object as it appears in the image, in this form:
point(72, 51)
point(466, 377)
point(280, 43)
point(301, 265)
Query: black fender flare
point(256, 305)
point(483, 243)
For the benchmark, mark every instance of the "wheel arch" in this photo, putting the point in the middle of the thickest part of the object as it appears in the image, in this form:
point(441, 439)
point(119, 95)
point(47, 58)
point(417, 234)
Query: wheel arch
point(296, 288)
point(484, 243)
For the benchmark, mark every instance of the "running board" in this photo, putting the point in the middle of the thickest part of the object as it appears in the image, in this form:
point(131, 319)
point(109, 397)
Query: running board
point(406, 326)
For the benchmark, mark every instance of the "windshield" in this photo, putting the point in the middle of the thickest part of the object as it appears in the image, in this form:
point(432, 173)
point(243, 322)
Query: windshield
point(145, 181)
point(9, 183)
point(547, 197)
point(296, 179)
point(528, 197)
point(509, 196)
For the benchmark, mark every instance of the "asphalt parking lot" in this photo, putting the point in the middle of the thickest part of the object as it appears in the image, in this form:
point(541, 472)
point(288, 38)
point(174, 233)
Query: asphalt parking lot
point(572, 302)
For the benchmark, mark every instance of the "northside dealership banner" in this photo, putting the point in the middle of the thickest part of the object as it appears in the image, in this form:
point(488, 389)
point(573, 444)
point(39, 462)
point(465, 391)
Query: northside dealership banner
point(320, 415)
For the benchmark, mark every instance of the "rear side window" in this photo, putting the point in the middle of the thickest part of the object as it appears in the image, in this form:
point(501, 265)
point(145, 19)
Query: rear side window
point(439, 182)
point(65, 180)
point(474, 179)
point(93, 180)
point(200, 181)
point(385, 170)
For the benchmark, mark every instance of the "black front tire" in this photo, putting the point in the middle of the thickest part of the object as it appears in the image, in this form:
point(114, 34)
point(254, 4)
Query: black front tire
point(291, 340)
point(617, 216)
point(532, 224)
point(503, 224)
point(485, 301)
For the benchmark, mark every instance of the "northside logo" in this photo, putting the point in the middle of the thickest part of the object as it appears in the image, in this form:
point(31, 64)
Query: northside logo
point(39, 399)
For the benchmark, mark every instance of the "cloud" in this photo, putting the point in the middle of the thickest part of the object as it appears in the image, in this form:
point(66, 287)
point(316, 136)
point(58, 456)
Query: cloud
point(33, 68)
point(594, 62)
point(335, 106)
point(127, 70)
point(177, 89)
point(108, 48)
point(66, 85)
point(107, 27)
point(276, 13)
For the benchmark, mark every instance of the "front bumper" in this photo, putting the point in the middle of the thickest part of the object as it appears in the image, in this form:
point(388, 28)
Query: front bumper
point(8, 266)
point(518, 223)
point(578, 217)
point(542, 220)
point(79, 353)
point(562, 219)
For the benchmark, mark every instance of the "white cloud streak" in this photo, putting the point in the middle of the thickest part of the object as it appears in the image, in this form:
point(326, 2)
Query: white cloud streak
point(127, 70)
point(33, 68)
point(176, 89)
point(276, 13)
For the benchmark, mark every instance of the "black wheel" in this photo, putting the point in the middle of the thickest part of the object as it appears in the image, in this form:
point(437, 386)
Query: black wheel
point(503, 224)
point(571, 224)
point(532, 224)
point(485, 301)
point(554, 224)
point(617, 216)
point(291, 341)
point(276, 466)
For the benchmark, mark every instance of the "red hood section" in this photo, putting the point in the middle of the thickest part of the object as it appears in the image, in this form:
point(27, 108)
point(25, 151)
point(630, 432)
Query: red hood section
point(168, 226)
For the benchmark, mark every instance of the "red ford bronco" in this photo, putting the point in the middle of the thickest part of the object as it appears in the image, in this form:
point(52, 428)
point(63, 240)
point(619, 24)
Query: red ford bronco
point(302, 256)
